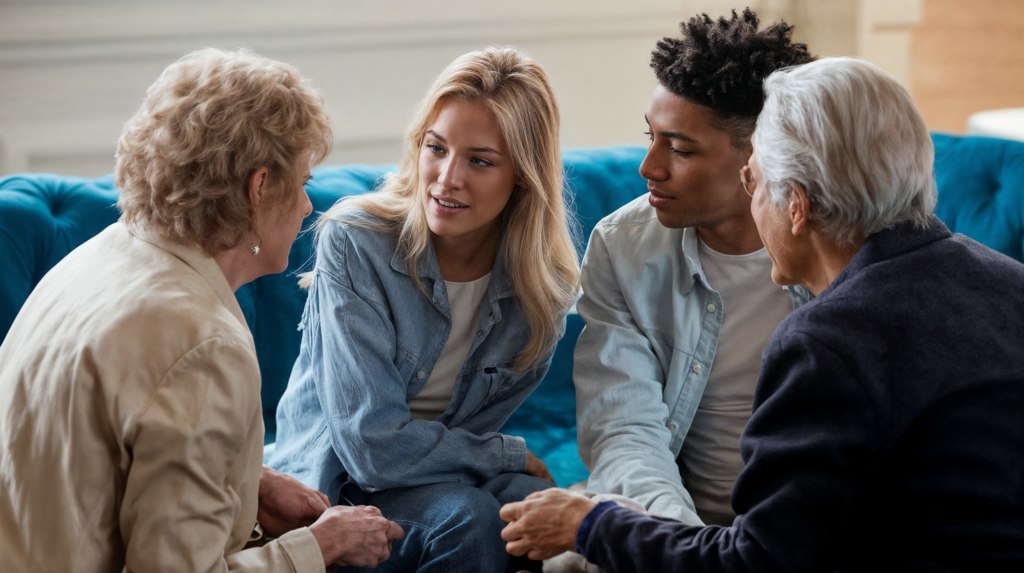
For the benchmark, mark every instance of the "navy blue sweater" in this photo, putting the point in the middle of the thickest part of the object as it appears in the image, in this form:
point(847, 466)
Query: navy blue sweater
point(887, 433)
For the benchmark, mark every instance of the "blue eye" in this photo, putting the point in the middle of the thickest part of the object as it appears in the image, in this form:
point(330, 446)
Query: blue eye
point(433, 147)
point(481, 161)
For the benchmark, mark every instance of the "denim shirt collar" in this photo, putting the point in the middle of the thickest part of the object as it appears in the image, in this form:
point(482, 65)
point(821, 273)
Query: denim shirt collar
point(691, 262)
point(428, 268)
point(695, 272)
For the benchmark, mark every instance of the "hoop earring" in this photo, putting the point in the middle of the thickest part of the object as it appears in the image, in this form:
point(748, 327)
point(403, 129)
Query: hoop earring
point(256, 248)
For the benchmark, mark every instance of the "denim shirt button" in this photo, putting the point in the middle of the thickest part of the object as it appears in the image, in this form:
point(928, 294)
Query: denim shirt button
point(673, 427)
point(711, 308)
point(421, 374)
point(697, 368)
point(479, 333)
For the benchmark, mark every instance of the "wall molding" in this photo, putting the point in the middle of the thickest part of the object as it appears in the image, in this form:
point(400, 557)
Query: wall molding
point(97, 46)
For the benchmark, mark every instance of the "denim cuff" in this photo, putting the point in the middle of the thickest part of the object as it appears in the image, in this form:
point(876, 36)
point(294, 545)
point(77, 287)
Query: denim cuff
point(583, 533)
point(513, 454)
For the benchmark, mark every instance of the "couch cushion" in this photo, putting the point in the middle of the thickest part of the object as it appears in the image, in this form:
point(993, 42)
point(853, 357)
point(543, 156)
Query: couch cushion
point(44, 217)
point(981, 190)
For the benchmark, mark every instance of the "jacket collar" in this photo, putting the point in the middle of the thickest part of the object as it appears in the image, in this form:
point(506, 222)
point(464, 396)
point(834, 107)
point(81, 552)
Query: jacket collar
point(200, 262)
point(892, 242)
point(428, 268)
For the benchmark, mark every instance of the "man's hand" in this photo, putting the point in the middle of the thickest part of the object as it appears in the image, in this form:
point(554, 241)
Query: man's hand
point(355, 536)
point(537, 468)
point(285, 503)
point(545, 523)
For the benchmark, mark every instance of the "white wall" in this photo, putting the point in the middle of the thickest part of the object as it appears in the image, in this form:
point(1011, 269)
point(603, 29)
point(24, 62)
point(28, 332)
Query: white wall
point(72, 71)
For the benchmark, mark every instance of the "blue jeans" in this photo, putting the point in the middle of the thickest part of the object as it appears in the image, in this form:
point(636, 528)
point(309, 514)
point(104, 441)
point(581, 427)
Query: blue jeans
point(449, 527)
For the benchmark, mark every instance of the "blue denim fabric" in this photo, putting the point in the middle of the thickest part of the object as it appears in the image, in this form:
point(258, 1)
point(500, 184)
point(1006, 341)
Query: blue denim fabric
point(370, 339)
point(449, 527)
point(644, 356)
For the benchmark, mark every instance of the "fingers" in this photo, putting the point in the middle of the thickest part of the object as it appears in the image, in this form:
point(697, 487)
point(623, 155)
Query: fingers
point(512, 511)
point(511, 532)
point(536, 494)
point(323, 496)
point(369, 509)
point(394, 531)
point(517, 548)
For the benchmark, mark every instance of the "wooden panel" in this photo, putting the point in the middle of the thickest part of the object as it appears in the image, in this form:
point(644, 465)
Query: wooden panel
point(967, 57)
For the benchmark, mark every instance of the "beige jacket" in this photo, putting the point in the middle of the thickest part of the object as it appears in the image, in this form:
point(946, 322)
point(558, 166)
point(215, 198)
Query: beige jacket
point(131, 429)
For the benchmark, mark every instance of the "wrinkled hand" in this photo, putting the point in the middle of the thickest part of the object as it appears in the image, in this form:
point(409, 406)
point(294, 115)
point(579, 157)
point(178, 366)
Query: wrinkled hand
point(285, 503)
point(545, 523)
point(536, 468)
point(356, 536)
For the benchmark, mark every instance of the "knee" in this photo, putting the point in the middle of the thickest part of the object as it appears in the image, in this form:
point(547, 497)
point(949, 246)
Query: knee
point(511, 487)
point(470, 511)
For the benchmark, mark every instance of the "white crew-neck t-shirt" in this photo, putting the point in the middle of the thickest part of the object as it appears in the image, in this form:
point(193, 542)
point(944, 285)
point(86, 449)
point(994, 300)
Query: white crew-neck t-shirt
point(709, 461)
point(465, 301)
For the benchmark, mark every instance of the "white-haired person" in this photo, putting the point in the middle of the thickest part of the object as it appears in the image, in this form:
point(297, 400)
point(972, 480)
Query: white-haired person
point(434, 308)
point(888, 424)
point(131, 428)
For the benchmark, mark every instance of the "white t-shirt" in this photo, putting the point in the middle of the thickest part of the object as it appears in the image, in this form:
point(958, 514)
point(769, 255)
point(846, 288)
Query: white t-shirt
point(709, 461)
point(464, 300)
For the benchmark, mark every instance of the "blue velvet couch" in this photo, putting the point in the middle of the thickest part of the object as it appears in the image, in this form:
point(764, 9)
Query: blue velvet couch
point(43, 217)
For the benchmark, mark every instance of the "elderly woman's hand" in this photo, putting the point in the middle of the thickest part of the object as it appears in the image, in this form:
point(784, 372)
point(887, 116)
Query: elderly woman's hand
point(285, 503)
point(356, 536)
point(545, 523)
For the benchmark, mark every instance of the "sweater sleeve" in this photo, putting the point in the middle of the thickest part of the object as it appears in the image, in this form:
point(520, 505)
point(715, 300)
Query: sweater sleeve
point(806, 446)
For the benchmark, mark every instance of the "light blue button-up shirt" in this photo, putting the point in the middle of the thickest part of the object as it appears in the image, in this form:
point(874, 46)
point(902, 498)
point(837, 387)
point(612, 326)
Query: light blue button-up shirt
point(644, 357)
point(370, 340)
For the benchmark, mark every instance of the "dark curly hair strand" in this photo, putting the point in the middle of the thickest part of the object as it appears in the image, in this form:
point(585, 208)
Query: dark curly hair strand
point(722, 64)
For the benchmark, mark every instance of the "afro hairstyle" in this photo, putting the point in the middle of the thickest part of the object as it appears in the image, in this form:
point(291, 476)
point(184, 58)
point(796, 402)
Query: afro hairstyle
point(722, 64)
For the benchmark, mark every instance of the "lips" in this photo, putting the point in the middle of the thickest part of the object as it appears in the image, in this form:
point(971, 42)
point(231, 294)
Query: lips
point(447, 205)
point(657, 199)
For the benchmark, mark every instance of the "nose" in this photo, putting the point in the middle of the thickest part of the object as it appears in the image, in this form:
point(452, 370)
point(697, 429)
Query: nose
point(307, 205)
point(451, 175)
point(651, 167)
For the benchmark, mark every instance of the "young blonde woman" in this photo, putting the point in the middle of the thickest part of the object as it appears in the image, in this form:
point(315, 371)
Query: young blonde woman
point(434, 307)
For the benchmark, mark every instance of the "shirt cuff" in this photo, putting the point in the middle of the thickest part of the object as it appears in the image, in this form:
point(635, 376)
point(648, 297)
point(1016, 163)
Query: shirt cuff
point(513, 454)
point(303, 550)
point(583, 533)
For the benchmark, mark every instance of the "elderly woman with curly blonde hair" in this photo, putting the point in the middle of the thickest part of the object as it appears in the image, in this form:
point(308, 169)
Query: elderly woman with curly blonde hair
point(131, 429)
point(434, 308)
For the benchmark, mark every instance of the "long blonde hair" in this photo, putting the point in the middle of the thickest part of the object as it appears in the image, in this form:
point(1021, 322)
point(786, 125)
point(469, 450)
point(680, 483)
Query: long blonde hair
point(538, 246)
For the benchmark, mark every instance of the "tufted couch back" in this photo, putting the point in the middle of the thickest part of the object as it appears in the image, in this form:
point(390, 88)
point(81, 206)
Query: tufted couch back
point(44, 217)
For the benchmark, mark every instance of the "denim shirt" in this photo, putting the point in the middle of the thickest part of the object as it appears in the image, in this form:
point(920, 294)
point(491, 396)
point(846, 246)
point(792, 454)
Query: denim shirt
point(643, 359)
point(370, 339)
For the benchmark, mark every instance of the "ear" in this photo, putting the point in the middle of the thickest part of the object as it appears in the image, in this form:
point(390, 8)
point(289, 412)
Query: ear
point(799, 209)
point(256, 186)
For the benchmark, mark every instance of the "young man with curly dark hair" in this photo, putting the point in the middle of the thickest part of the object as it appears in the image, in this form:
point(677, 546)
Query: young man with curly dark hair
point(678, 298)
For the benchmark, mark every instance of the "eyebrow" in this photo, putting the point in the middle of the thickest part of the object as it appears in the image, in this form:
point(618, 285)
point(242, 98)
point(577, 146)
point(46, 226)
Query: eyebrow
point(673, 134)
point(473, 149)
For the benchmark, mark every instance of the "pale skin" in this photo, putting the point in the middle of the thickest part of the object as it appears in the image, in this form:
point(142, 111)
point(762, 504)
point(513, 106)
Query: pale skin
point(545, 524)
point(465, 162)
point(348, 536)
